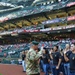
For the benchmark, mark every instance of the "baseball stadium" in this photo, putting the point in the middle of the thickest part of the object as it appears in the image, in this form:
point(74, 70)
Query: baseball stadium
point(39, 32)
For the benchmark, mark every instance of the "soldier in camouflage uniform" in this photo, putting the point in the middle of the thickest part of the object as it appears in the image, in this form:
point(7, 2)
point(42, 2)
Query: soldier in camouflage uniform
point(32, 65)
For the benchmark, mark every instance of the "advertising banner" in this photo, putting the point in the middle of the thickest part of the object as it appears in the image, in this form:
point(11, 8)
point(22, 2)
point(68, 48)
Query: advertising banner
point(70, 18)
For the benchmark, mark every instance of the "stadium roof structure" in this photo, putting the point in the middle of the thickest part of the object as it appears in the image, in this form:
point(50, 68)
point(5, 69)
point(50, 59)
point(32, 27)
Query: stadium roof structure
point(14, 11)
point(32, 2)
point(20, 10)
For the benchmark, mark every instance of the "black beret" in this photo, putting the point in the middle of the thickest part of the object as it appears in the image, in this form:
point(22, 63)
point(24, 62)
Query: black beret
point(35, 42)
point(27, 48)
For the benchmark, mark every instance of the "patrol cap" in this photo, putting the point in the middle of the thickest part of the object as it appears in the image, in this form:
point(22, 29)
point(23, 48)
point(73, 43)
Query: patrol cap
point(35, 42)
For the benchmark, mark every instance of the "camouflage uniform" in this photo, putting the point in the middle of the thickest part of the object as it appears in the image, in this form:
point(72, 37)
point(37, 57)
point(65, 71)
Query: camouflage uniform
point(32, 65)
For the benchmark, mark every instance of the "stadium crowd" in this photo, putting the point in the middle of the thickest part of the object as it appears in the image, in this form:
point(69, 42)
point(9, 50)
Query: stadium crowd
point(47, 44)
point(17, 48)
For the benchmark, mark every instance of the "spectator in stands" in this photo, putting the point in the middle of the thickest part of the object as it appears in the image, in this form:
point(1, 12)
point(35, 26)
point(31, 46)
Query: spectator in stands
point(32, 65)
point(23, 61)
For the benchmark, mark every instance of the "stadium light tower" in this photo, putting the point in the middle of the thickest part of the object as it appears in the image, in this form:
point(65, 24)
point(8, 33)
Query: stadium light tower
point(59, 0)
point(48, 2)
point(52, 2)
point(44, 3)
